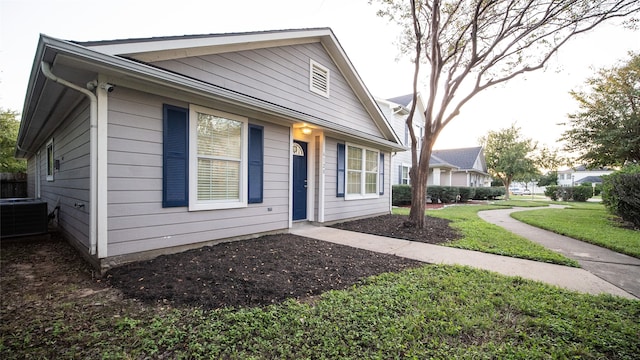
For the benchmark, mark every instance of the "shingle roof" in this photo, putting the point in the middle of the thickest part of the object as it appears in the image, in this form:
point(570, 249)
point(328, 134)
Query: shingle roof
point(403, 100)
point(590, 179)
point(464, 158)
point(438, 162)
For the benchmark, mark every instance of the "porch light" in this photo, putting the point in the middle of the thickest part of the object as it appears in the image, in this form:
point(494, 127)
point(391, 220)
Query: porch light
point(306, 130)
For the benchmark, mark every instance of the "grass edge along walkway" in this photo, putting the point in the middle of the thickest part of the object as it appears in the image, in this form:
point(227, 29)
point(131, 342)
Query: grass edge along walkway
point(481, 236)
point(593, 225)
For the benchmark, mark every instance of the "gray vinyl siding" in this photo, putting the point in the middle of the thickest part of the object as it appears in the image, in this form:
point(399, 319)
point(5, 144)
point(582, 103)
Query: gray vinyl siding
point(337, 208)
point(398, 123)
point(136, 219)
point(280, 75)
point(70, 183)
point(31, 176)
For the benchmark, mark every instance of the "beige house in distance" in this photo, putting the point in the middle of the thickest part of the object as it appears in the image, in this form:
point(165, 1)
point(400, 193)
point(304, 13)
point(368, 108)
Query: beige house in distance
point(450, 167)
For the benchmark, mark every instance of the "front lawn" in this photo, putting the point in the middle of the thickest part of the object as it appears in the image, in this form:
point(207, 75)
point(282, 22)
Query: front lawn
point(589, 222)
point(429, 312)
point(479, 235)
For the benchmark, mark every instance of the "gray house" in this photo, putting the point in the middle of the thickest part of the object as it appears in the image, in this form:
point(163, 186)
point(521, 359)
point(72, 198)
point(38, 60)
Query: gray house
point(147, 146)
point(451, 167)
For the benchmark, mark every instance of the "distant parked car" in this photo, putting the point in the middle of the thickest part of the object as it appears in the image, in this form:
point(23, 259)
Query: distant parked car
point(515, 191)
point(526, 192)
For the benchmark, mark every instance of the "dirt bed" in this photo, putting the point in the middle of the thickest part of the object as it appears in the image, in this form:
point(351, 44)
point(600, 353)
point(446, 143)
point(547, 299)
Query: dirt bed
point(254, 272)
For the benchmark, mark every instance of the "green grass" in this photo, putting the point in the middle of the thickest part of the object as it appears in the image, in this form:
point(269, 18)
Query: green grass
point(589, 222)
point(430, 312)
point(479, 235)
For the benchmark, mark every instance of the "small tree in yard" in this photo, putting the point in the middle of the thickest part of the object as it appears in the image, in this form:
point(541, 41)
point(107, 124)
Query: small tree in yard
point(472, 45)
point(9, 126)
point(508, 156)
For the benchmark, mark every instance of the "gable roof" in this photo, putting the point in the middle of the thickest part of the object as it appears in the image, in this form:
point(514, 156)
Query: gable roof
point(463, 158)
point(435, 161)
point(403, 100)
point(590, 179)
point(127, 59)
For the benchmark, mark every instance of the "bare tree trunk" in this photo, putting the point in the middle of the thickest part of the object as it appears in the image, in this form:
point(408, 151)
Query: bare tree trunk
point(419, 186)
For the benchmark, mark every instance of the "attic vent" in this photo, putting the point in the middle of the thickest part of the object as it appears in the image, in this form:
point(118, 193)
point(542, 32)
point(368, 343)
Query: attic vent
point(319, 79)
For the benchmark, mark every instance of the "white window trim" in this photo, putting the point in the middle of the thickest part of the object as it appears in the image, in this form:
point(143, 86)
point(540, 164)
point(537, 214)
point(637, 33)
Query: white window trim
point(194, 203)
point(362, 194)
point(402, 167)
point(313, 89)
point(52, 168)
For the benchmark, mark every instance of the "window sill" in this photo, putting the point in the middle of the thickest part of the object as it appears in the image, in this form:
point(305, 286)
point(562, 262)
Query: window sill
point(217, 206)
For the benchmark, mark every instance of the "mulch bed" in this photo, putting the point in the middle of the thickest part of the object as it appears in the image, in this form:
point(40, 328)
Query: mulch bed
point(254, 272)
point(269, 269)
point(246, 273)
point(436, 230)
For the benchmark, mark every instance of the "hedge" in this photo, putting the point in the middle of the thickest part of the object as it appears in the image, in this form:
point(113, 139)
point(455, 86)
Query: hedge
point(621, 193)
point(569, 193)
point(401, 194)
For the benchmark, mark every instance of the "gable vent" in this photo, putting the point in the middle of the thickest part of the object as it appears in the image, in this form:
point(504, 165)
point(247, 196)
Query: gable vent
point(319, 79)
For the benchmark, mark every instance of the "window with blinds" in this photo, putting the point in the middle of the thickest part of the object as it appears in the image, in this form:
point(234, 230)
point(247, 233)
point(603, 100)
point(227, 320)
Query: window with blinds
point(219, 157)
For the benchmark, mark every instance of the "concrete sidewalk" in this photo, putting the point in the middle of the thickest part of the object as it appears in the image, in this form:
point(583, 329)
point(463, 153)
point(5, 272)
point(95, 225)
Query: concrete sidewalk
point(621, 270)
point(563, 276)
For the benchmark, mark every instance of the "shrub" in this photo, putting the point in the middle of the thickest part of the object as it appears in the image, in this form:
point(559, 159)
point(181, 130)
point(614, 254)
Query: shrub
point(466, 193)
point(551, 191)
point(488, 193)
point(449, 194)
point(569, 193)
point(400, 195)
point(598, 190)
point(621, 193)
point(497, 191)
point(582, 193)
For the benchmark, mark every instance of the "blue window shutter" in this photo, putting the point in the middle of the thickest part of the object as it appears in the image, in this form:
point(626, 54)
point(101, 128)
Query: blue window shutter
point(341, 171)
point(381, 174)
point(256, 163)
point(175, 156)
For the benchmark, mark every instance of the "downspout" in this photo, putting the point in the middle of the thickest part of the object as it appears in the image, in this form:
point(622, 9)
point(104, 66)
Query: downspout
point(93, 152)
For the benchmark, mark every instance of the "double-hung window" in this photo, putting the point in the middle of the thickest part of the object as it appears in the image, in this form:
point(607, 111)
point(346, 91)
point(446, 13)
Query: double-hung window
point(362, 172)
point(217, 159)
point(404, 176)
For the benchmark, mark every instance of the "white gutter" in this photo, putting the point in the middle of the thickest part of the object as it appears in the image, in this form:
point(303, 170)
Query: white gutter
point(93, 152)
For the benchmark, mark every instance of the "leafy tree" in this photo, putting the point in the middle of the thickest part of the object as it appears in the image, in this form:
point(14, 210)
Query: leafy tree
point(549, 160)
point(472, 45)
point(9, 127)
point(507, 156)
point(551, 178)
point(606, 130)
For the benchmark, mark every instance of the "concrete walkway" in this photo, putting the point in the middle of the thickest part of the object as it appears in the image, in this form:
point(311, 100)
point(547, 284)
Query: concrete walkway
point(563, 276)
point(621, 270)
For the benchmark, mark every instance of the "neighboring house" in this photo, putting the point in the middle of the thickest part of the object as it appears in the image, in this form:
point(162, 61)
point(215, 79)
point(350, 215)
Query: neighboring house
point(157, 145)
point(471, 166)
point(578, 175)
point(454, 167)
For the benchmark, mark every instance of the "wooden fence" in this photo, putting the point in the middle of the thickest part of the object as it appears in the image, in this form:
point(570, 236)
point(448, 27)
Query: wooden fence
point(13, 185)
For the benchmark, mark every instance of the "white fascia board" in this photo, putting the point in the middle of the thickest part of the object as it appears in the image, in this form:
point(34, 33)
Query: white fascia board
point(157, 49)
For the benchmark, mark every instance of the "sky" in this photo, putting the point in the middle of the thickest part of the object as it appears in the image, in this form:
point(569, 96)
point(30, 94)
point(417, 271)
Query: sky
point(536, 102)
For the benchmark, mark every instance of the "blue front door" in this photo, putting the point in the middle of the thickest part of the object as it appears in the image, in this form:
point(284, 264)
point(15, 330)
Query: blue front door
point(299, 180)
